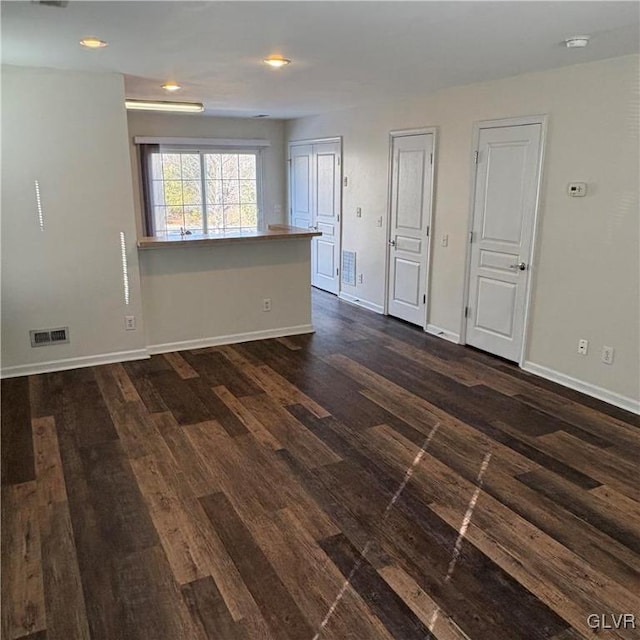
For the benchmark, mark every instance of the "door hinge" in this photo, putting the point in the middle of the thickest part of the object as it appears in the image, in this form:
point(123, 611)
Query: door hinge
point(466, 312)
point(475, 157)
point(424, 299)
point(289, 160)
point(338, 217)
point(338, 159)
point(470, 237)
point(427, 231)
point(431, 159)
point(337, 272)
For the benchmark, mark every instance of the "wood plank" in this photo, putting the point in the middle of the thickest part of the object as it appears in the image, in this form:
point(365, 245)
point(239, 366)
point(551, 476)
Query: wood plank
point(48, 465)
point(252, 424)
point(23, 608)
point(207, 606)
point(439, 623)
point(274, 601)
point(16, 451)
point(180, 365)
point(394, 613)
point(66, 615)
point(289, 432)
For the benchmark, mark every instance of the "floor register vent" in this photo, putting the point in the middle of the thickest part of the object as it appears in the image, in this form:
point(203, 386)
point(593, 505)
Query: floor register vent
point(46, 337)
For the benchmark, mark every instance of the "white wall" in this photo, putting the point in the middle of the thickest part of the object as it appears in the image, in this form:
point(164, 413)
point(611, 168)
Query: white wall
point(199, 296)
point(586, 272)
point(202, 126)
point(68, 130)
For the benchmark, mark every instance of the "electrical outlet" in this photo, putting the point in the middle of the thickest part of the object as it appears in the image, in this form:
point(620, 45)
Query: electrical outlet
point(583, 347)
point(607, 355)
point(266, 304)
point(358, 212)
point(379, 221)
point(130, 323)
point(360, 278)
point(444, 241)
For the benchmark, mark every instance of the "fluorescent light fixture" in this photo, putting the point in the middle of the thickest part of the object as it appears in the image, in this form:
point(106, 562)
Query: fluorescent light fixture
point(163, 105)
point(91, 42)
point(577, 42)
point(276, 61)
point(171, 86)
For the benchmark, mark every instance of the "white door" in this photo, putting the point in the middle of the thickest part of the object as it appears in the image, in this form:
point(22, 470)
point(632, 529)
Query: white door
point(507, 174)
point(411, 184)
point(301, 164)
point(315, 204)
point(325, 249)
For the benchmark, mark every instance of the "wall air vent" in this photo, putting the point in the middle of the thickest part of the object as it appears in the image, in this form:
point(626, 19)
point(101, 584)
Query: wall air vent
point(46, 337)
point(349, 267)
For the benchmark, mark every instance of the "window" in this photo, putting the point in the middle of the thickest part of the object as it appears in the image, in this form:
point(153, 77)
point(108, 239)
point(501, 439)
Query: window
point(201, 190)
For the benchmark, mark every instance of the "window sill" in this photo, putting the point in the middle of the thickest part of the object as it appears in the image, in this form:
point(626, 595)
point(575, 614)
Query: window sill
point(274, 232)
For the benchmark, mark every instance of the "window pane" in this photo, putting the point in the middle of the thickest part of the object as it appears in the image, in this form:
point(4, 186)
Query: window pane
point(175, 218)
point(215, 219)
point(230, 192)
point(248, 191)
point(193, 218)
point(171, 166)
point(159, 220)
point(173, 193)
point(247, 167)
point(249, 215)
point(213, 166)
point(230, 166)
point(232, 216)
point(192, 192)
point(190, 166)
point(214, 191)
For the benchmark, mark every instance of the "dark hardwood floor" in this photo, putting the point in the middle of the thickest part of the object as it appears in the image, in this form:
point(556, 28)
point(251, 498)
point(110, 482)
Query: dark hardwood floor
point(369, 482)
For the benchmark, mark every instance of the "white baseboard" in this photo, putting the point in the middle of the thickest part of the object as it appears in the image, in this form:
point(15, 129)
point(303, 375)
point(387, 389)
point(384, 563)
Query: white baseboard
point(234, 338)
point(629, 404)
point(359, 302)
point(73, 363)
point(443, 333)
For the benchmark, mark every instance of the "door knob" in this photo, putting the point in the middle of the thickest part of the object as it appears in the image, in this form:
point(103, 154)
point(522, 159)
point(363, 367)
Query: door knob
point(521, 265)
point(392, 243)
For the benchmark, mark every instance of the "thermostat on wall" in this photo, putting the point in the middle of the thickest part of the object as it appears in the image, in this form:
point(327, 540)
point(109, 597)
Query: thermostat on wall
point(577, 189)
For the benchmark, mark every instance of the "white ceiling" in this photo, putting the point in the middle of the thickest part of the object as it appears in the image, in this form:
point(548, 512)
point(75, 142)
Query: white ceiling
point(344, 53)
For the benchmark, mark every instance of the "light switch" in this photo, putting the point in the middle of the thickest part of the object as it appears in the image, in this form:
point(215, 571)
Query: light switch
point(358, 212)
point(444, 241)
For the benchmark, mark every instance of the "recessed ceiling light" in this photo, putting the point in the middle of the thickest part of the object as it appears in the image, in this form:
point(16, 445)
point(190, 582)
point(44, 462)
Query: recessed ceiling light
point(161, 105)
point(171, 86)
point(276, 61)
point(91, 42)
point(577, 42)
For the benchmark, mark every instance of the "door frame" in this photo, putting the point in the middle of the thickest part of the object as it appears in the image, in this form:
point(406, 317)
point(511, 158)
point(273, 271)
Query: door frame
point(542, 120)
point(399, 133)
point(312, 141)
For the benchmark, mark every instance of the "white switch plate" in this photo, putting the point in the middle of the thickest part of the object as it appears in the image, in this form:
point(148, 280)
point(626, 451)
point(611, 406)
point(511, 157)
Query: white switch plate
point(577, 189)
point(130, 323)
point(358, 212)
point(266, 304)
point(607, 354)
point(379, 221)
point(583, 347)
point(444, 241)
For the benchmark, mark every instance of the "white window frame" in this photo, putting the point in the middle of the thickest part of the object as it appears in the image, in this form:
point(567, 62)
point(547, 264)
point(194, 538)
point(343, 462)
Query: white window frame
point(202, 146)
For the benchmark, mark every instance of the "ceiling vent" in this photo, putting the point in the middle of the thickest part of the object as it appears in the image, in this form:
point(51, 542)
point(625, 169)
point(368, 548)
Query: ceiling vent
point(61, 4)
point(46, 337)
